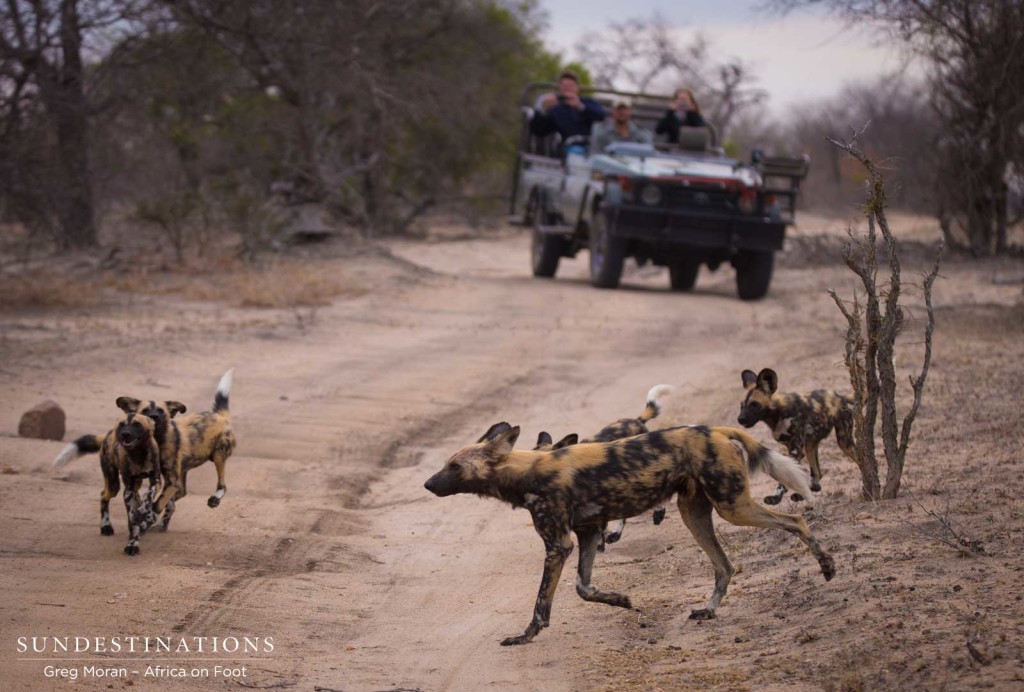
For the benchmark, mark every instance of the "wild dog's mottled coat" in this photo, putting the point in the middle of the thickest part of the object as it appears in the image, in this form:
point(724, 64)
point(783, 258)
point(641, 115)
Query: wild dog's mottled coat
point(185, 443)
point(579, 487)
point(620, 429)
point(129, 454)
point(191, 440)
point(799, 421)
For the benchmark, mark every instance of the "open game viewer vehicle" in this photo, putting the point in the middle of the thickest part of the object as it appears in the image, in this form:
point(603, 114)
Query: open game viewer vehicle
point(678, 206)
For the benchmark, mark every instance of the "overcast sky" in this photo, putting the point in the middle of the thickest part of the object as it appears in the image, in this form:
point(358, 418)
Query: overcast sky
point(799, 57)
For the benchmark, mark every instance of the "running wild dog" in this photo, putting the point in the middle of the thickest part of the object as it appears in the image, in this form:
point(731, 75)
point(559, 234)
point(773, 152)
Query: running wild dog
point(622, 428)
point(129, 454)
point(799, 421)
point(186, 443)
point(578, 488)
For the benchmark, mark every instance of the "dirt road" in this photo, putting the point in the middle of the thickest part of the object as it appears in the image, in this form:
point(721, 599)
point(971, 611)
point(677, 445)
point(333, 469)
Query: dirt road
point(327, 542)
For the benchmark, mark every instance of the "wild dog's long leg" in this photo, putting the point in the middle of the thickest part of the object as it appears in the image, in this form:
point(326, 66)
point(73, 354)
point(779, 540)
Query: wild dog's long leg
point(181, 492)
point(145, 512)
point(111, 484)
point(170, 471)
point(746, 512)
point(811, 448)
point(695, 509)
point(220, 459)
point(168, 513)
point(131, 507)
point(588, 538)
point(844, 434)
point(558, 545)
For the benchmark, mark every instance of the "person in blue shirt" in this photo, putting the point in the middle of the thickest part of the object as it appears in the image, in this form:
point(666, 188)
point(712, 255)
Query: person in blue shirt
point(566, 112)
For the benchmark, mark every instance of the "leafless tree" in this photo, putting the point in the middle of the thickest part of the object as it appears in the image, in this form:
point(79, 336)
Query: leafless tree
point(43, 93)
point(641, 54)
point(975, 52)
point(871, 339)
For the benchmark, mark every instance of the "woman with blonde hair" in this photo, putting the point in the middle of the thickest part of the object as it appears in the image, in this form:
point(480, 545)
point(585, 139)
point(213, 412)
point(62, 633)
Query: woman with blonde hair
point(683, 112)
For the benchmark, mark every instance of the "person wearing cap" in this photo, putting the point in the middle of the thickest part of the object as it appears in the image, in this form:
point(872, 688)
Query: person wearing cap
point(566, 112)
point(620, 128)
point(683, 112)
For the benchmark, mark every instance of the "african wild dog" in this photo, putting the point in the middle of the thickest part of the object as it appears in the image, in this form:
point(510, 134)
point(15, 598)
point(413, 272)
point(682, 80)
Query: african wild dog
point(129, 454)
point(579, 487)
point(622, 428)
point(189, 441)
point(799, 421)
point(194, 439)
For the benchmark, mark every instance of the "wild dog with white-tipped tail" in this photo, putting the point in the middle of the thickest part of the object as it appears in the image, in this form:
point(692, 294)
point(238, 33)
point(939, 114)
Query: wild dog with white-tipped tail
point(185, 442)
point(578, 488)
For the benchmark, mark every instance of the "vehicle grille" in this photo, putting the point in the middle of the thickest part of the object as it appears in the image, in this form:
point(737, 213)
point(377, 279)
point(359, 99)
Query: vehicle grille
point(711, 200)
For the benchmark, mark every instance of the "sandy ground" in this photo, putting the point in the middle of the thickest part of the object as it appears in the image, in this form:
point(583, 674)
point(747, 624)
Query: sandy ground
point(328, 543)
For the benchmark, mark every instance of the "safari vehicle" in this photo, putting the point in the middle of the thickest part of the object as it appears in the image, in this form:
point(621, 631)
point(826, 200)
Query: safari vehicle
point(678, 206)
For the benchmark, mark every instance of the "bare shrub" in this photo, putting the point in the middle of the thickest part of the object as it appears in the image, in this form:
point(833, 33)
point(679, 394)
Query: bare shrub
point(871, 339)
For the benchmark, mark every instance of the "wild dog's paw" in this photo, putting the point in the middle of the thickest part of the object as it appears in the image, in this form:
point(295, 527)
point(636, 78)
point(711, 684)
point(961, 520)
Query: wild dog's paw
point(815, 486)
point(702, 614)
point(612, 537)
point(828, 567)
point(214, 501)
point(619, 600)
point(796, 497)
point(107, 530)
point(659, 515)
point(131, 549)
point(516, 641)
point(772, 499)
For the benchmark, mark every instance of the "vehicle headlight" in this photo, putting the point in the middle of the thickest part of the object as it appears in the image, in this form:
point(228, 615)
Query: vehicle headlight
point(651, 195)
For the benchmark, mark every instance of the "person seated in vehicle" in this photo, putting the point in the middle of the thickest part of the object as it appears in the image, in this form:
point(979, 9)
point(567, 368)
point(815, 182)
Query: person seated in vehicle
point(620, 128)
point(683, 112)
point(566, 112)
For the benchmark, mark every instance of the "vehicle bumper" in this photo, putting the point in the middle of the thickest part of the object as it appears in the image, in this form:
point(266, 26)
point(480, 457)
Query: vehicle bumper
point(675, 227)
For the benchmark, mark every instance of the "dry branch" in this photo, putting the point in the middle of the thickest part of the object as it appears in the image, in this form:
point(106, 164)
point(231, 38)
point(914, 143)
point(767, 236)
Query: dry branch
point(874, 375)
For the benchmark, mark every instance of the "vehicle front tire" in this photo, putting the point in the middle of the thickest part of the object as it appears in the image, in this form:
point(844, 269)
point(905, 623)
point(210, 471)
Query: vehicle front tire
point(607, 253)
point(753, 274)
point(545, 252)
point(545, 248)
point(682, 274)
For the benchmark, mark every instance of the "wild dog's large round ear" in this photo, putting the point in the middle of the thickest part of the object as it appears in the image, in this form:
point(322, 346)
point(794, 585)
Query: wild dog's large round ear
point(567, 441)
point(543, 439)
point(175, 407)
point(494, 431)
point(127, 404)
point(501, 444)
point(768, 380)
point(749, 378)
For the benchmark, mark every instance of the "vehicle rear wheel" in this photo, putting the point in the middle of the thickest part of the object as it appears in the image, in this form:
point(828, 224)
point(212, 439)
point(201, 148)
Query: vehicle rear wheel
point(753, 273)
point(545, 248)
point(682, 274)
point(607, 253)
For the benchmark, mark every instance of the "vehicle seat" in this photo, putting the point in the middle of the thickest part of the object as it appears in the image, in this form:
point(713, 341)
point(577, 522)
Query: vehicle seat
point(694, 139)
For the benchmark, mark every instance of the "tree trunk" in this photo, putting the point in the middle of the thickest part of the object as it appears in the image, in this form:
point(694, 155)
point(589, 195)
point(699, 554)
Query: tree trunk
point(63, 92)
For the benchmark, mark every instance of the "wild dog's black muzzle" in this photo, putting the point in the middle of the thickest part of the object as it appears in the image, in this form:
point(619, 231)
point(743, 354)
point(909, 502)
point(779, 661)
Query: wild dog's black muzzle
point(441, 484)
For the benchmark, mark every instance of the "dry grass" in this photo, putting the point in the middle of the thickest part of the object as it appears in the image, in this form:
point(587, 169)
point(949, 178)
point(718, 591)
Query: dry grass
point(281, 284)
point(39, 292)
